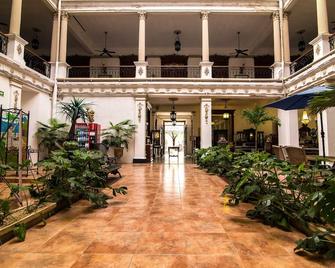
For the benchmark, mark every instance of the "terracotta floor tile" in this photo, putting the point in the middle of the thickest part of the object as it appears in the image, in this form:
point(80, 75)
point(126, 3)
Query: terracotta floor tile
point(213, 261)
point(159, 261)
point(103, 261)
point(114, 243)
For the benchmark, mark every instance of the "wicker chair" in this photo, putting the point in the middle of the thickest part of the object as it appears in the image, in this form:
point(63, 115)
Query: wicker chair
point(278, 151)
point(296, 155)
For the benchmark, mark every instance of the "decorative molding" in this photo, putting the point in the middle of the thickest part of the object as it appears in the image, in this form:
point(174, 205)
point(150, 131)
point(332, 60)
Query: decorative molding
point(275, 15)
point(139, 111)
point(204, 15)
point(206, 112)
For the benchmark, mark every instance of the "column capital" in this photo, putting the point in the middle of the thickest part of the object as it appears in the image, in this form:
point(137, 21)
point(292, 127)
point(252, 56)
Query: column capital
point(276, 15)
point(204, 14)
point(142, 14)
point(65, 15)
point(286, 15)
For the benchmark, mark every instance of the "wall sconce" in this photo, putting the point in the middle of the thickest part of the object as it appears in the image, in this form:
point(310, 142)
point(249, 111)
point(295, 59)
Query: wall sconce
point(305, 118)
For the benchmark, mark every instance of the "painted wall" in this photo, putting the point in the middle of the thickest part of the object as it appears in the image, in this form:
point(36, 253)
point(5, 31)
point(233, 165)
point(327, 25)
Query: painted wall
point(39, 106)
point(114, 109)
point(5, 88)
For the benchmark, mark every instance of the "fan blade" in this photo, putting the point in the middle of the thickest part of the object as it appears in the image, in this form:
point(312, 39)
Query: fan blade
point(110, 51)
point(244, 53)
point(245, 50)
point(109, 54)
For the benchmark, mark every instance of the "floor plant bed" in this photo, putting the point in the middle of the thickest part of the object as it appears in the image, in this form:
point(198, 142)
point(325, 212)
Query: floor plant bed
point(21, 216)
point(285, 196)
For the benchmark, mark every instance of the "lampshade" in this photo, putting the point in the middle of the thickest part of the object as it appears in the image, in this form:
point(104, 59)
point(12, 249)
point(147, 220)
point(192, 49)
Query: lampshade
point(226, 115)
point(305, 118)
point(173, 116)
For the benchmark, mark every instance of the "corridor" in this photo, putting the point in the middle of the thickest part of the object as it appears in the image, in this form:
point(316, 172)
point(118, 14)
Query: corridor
point(173, 216)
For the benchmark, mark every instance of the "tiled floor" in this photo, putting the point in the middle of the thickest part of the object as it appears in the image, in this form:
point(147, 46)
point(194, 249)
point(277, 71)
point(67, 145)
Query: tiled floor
point(172, 217)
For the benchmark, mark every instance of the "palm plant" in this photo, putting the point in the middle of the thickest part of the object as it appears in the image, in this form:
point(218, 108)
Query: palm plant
point(118, 135)
point(323, 101)
point(257, 116)
point(74, 110)
point(51, 135)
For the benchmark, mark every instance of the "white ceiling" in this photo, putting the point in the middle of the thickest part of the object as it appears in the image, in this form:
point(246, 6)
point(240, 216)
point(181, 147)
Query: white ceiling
point(256, 30)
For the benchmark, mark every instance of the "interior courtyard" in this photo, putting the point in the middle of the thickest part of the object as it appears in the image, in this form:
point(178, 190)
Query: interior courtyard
point(165, 134)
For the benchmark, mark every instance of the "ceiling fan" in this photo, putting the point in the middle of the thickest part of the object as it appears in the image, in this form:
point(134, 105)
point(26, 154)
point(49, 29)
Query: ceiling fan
point(238, 50)
point(106, 51)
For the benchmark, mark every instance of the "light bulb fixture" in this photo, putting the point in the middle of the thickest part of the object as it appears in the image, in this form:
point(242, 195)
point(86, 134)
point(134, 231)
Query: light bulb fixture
point(173, 114)
point(305, 118)
point(177, 43)
point(225, 115)
point(35, 43)
point(301, 43)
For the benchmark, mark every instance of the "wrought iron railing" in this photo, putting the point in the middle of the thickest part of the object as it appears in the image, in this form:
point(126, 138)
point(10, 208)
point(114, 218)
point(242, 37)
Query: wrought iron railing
point(302, 61)
point(3, 43)
point(173, 71)
point(332, 42)
point(259, 72)
point(36, 63)
point(102, 72)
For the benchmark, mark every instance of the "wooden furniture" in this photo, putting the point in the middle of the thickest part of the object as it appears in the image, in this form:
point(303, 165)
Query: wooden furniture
point(296, 155)
point(172, 149)
point(279, 152)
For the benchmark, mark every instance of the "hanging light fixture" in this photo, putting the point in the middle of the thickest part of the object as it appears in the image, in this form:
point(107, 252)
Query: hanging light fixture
point(305, 118)
point(177, 43)
point(301, 43)
point(173, 114)
point(225, 115)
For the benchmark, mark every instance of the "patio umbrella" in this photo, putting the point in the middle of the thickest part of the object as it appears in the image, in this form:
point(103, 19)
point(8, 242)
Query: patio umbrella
point(300, 101)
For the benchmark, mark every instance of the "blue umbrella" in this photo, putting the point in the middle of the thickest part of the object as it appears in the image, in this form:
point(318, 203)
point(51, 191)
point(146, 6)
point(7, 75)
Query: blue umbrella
point(300, 101)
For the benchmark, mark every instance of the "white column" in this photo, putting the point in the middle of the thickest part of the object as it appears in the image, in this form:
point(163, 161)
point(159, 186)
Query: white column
point(329, 132)
point(15, 95)
point(16, 44)
point(206, 122)
point(141, 64)
point(62, 65)
point(288, 131)
point(286, 45)
point(53, 50)
point(321, 46)
point(277, 66)
point(205, 64)
point(140, 135)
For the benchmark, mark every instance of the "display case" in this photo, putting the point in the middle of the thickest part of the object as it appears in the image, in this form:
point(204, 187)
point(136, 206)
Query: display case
point(87, 135)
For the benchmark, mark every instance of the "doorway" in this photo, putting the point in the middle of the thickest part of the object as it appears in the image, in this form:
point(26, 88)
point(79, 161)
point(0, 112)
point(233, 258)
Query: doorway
point(174, 142)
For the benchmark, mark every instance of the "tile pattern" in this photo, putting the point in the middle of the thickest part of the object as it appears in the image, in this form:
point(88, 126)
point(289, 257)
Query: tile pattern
point(173, 216)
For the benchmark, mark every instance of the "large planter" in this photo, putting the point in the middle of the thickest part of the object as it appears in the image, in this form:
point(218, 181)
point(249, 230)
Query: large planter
point(118, 152)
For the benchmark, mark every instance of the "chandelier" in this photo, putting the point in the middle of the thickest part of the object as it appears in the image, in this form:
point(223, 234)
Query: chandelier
point(177, 43)
point(35, 43)
point(225, 115)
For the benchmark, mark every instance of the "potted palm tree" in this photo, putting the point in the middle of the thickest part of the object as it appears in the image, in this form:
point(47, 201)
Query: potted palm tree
point(323, 101)
point(118, 136)
point(74, 110)
point(257, 116)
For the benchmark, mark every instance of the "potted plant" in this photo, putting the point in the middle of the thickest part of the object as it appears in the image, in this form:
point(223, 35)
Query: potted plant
point(118, 136)
point(257, 116)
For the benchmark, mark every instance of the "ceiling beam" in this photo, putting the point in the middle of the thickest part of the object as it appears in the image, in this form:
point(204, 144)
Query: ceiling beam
point(50, 4)
point(81, 35)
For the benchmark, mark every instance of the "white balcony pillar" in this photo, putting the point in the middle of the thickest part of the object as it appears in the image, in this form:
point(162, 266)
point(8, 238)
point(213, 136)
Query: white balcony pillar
point(329, 132)
point(206, 65)
point(288, 131)
point(206, 122)
point(15, 95)
point(286, 45)
point(321, 46)
point(140, 135)
point(62, 65)
point(141, 64)
point(277, 66)
point(53, 52)
point(16, 44)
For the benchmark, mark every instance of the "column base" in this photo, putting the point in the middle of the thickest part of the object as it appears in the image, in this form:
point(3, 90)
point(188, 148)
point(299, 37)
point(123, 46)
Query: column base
point(140, 160)
point(141, 69)
point(15, 48)
point(277, 70)
point(63, 69)
point(321, 45)
point(206, 69)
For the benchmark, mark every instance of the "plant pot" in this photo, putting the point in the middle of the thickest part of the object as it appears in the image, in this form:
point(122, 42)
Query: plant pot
point(118, 152)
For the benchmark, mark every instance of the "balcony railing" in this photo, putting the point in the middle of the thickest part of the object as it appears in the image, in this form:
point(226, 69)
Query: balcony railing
point(36, 63)
point(170, 71)
point(332, 42)
point(102, 72)
point(302, 61)
point(173, 71)
point(259, 72)
point(3, 43)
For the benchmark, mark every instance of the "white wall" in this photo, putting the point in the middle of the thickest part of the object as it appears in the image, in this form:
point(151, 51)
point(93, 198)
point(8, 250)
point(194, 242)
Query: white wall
point(114, 109)
point(39, 106)
point(5, 88)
